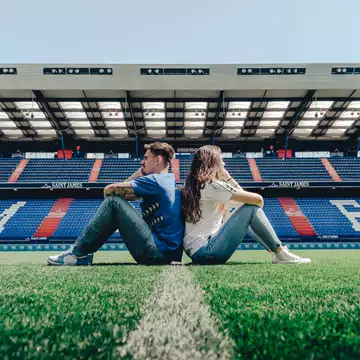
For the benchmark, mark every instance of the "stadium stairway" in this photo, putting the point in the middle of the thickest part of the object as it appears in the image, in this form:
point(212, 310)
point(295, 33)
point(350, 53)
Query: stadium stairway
point(17, 172)
point(49, 225)
point(297, 218)
point(254, 170)
point(332, 172)
point(95, 171)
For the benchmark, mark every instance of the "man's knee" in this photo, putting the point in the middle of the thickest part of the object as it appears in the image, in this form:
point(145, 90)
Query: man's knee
point(114, 199)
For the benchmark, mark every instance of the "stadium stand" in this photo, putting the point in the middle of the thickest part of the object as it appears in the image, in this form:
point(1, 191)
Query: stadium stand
point(238, 167)
point(56, 170)
point(7, 167)
point(20, 219)
point(271, 169)
point(117, 169)
point(347, 168)
point(292, 169)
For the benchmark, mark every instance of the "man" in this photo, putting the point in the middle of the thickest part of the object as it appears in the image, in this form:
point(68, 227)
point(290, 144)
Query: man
point(155, 237)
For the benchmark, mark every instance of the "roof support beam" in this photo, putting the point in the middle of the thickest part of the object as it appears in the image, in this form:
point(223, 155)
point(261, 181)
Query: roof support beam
point(218, 110)
point(302, 107)
point(39, 98)
point(129, 102)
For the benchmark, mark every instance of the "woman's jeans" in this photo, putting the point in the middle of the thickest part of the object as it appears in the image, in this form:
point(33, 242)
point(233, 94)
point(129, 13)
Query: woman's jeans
point(223, 244)
point(116, 213)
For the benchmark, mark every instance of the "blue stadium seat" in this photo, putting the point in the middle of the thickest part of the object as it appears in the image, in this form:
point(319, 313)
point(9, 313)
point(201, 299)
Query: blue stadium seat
point(292, 169)
point(113, 170)
point(7, 167)
point(347, 168)
point(57, 170)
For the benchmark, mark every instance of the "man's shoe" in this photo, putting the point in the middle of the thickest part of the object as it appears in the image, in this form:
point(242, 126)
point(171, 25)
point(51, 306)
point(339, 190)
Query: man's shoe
point(67, 258)
point(284, 256)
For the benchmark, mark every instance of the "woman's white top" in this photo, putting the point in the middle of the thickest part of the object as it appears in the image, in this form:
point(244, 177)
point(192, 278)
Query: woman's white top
point(214, 198)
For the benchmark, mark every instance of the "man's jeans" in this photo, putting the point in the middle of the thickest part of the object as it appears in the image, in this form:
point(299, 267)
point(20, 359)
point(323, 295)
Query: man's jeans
point(116, 213)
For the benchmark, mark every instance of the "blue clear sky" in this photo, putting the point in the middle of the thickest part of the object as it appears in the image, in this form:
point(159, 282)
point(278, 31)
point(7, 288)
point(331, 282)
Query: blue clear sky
point(186, 31)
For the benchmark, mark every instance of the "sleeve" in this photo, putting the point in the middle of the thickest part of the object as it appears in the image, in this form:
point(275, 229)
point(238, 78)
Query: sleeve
point(219, 191)
point(145, 185)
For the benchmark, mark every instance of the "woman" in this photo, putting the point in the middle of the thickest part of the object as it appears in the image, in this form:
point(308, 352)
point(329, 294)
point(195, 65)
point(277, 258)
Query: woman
point(208, 190)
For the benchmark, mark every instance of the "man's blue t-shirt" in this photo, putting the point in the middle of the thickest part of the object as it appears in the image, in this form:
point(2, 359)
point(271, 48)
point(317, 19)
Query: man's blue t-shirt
point(161, 209)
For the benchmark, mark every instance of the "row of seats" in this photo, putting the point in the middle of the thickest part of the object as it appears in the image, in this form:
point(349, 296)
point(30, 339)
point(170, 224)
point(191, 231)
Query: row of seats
point(19, 219)
point(271, 169)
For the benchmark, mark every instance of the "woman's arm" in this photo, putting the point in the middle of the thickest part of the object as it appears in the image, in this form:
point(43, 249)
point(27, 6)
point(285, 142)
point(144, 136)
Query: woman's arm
point(247, 197)
point(241, 195)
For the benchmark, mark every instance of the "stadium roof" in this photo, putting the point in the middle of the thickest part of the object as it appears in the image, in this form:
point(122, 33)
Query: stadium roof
point(247, 103)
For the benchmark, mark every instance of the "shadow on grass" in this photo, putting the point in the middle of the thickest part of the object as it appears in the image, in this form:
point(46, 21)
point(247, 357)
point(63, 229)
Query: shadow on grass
point(231, 263)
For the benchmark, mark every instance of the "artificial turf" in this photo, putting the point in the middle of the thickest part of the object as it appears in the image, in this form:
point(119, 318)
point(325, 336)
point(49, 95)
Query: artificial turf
point(287, 312)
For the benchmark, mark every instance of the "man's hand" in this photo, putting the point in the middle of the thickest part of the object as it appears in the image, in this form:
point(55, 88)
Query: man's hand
point(137, 174)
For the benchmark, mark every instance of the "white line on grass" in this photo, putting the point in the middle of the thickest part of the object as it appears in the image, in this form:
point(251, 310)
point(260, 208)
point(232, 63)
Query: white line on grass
point(176, 323)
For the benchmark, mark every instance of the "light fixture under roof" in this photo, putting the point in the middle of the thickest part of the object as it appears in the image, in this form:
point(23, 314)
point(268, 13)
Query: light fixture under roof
point(156, 133)
point(27, 105)
point(75, 115)
point(342, 123)
point(194, 124)
point(273, 114)
point(7, 125)
point(193, 132)
point(269, 123)
point(46, 132)
point(302, 132)
point(12, 132)
point(33, 114)
point(239, 105)
point(153, 110)
point(151, 114)
point(155, 124)
point(335, 132)
point(71, 105)
point(236, 114)
point(308, 123)
point(278, 104)
point(314, 114)
point(80, 124)
point(231, 132)
point(118, 132)
point(84, 132)
point(3, 115)
point(233, 124)
point(321, 105)
point(199, 114)
point(115, 124)
point(109, 105)
point(196, 105)
point(112, 113)
point(265, 131)
point(40, 124)
point(350, 114)
point(152, 105)
point(354, 105)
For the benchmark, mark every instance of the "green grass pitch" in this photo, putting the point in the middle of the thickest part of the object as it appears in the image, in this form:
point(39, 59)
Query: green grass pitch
point(270, 312)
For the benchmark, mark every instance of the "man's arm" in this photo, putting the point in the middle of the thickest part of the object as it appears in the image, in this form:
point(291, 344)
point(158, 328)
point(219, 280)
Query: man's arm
point(121, 189)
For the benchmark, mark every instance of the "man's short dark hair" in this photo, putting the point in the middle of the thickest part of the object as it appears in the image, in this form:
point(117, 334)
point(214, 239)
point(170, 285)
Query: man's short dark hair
point(162, 149)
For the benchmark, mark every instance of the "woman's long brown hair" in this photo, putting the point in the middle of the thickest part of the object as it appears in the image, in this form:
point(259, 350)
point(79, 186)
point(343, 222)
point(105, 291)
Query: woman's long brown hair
point(206, 167)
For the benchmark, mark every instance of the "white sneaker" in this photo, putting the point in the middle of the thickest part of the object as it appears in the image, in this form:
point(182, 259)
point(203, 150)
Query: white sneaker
point(284, 256)
point(67, 258)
